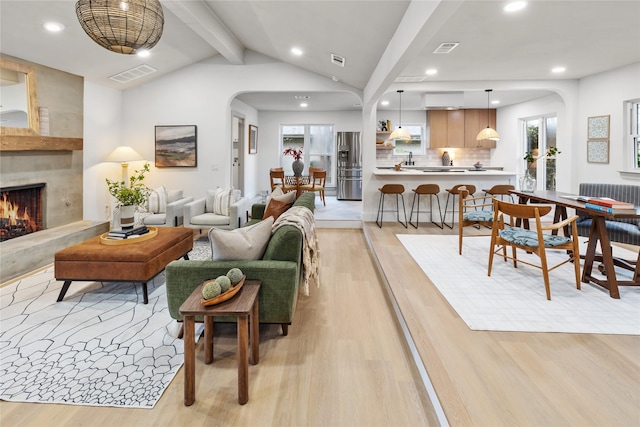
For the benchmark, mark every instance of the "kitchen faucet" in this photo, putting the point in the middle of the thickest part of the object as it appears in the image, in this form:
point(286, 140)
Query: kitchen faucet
point(410, 162)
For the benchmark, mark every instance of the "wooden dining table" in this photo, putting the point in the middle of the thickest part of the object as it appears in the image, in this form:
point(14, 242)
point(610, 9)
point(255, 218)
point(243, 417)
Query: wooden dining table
point(597, 233)
point(297, 182)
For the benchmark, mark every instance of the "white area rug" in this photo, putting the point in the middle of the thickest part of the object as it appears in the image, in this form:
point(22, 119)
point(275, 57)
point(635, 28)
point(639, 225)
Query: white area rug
point(514, 299)
point(100, 346)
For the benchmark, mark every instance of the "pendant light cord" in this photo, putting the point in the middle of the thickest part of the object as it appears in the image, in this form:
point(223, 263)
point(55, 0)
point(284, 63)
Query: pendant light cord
point(400, 117)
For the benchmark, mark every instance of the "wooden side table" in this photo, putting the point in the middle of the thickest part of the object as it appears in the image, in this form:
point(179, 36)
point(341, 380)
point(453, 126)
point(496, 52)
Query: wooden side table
point(244, 306)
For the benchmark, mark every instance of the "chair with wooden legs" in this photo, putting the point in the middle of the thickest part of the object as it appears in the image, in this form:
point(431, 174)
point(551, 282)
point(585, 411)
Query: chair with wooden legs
point(317, 183)
point(471, 213)
point(396, 189)
point(276, 178)
point(453, 191)
point(500, 190)
point(532, 241)
point(422, 190)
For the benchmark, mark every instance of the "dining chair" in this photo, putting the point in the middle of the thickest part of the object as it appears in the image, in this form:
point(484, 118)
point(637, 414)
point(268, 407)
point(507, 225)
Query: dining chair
point(533, 241)
point(471, 213)
point(276, 178)
point(317, 183)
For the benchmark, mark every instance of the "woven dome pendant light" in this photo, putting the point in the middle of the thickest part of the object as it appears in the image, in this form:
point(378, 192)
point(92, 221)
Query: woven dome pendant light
point(400, 133)
point(488, 132)
point(122, 26)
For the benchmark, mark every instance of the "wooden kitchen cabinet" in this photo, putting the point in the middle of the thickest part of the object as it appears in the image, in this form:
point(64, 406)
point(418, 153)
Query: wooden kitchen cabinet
point(474, 122)
point(446, 128)
point(459, 128)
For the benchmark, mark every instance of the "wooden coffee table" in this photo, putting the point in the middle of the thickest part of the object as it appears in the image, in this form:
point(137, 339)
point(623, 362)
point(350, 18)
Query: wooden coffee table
point(136, 262)
point(244, 305)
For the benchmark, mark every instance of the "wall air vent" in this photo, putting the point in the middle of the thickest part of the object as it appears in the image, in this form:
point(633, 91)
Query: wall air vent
point(338, 60)
point(132, 74)
point(446, 47)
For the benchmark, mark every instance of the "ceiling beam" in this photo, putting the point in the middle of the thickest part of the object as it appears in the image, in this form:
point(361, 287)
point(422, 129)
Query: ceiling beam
point(205, 23)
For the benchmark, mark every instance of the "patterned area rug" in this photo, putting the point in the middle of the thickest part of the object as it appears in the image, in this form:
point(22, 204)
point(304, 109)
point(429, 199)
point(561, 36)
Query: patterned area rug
point(514, 299)
point(99, 346)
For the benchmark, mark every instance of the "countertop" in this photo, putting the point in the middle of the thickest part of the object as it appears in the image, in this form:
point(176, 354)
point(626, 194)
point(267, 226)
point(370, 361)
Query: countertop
point(440, 171)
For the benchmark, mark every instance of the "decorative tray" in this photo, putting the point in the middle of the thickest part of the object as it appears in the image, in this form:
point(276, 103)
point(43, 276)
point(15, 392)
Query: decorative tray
point(104, 239)
point(223, 296)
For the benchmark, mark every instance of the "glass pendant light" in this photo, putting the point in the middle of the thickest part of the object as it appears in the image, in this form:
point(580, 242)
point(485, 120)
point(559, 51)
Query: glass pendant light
point(488, 132)
point(400, 133)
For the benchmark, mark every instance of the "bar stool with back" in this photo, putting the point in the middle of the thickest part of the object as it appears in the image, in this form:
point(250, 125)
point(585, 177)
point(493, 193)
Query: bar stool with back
point(454, 191)
point(396, 189)
point(499, 190)
point(430, 190)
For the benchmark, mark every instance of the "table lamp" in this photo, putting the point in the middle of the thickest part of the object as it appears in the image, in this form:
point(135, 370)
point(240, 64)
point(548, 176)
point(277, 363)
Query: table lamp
point(124, 155)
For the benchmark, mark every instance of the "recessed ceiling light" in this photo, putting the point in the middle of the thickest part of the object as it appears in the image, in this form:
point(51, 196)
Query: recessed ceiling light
point(143, 53)
point(558, 70)
point(495, 101)
point(431, 72)
point(385, 103)
point(304, 104)
point(515, 6)
point(296, 51)
point(53, 27)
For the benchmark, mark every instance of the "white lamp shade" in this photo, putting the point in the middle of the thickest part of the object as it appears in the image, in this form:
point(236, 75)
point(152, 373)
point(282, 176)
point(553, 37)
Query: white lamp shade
point(400, 134)
point(123, 154)
point(488, 133)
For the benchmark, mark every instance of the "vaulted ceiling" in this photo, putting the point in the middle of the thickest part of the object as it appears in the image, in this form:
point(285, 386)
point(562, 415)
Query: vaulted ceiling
point(373, 37)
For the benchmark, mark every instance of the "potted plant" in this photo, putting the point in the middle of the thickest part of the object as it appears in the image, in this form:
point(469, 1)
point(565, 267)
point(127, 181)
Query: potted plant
point(297, 165)
point(130, 196)
point(528, 182)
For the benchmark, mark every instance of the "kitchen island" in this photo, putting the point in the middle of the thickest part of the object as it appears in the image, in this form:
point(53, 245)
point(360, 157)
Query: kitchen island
point(445, 177)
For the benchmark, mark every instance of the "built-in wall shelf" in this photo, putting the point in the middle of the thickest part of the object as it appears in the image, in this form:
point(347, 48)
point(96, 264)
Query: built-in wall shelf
point(39, 143)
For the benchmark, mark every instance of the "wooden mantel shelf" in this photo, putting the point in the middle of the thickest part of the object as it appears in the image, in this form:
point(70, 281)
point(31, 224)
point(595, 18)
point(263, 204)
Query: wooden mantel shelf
point(39, 143)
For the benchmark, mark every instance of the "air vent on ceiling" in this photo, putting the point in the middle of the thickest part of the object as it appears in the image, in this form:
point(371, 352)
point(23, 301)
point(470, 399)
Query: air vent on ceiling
point(442, 100)
point(132, 74)
point(410, 79)
point(446, 47)
point(338, 60)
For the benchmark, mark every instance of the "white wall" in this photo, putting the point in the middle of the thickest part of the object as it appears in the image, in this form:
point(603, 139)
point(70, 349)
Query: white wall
point(600, 95)
point(102, 134)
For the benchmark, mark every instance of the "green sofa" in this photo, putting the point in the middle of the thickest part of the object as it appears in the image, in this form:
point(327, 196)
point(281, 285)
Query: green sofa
point(280, 271)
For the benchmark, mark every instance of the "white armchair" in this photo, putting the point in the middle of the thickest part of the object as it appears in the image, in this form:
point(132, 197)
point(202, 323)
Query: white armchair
point(224, 209)
point(166, 208)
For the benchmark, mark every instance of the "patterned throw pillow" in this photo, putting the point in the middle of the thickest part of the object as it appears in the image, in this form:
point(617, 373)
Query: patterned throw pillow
point(218, 201)
point(158, 200)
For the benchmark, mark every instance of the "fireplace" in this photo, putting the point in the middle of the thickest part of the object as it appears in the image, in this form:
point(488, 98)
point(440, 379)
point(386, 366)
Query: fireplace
point(21, 210)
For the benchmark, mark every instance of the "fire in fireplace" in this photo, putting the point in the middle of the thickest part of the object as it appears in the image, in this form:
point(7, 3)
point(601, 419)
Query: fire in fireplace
point(20, 210)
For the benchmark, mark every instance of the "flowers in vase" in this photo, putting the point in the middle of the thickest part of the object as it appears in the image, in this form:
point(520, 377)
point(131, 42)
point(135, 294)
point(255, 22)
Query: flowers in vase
point(295, 152)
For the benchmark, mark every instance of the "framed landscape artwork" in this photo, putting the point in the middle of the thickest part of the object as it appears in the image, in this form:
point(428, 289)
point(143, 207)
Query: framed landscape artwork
point(176, 146)
point(253, 139)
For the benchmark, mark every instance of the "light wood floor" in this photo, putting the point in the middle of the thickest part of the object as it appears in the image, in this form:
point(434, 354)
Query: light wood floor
point(345, 362)
point(485, 378)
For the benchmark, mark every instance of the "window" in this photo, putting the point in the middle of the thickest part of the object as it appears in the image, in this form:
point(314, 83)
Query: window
point(540, 135)
point(634, 132)
point(317, 146)
point(415, 145)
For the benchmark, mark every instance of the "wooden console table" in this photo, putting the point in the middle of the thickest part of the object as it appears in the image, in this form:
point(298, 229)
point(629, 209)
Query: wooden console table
point(598, 232)
point(244, 305)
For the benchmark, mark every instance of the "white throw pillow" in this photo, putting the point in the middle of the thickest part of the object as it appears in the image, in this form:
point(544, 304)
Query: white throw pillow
point(279, 195)
point(158, 200)
point(247, 243)
point(219, 200)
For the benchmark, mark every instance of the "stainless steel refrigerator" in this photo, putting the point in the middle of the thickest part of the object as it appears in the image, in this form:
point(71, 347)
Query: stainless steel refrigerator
point(349, 166)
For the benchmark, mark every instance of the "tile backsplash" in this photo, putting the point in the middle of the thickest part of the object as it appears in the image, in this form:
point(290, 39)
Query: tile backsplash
point(433, 157)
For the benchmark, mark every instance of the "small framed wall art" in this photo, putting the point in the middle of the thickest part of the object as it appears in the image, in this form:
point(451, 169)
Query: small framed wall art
point(598, 127)
point(253, 139)
point(176, 146)
point(598, 151)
